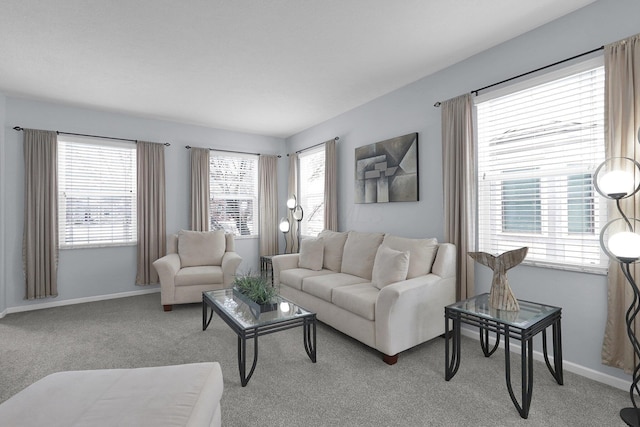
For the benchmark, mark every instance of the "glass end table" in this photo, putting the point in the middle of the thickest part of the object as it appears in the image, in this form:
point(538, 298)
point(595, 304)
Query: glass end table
point(522, 325)
point(242, 321)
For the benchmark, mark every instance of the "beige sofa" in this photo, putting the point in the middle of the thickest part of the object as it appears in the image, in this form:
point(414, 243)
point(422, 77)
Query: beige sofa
point(196, 261)
point(386, 291)
point(180, 395)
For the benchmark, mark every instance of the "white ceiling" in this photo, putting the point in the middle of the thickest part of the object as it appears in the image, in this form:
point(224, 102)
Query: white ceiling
point(272, 67)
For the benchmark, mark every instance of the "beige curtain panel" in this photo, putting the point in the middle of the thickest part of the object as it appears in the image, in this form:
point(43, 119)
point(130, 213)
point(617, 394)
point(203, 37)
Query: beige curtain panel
point(292, 189)
point(151, 210)
point(622, 121)
point(268, 194)
point(330, 186)
point(459, 187)
point(200, 189)
point(40, 234)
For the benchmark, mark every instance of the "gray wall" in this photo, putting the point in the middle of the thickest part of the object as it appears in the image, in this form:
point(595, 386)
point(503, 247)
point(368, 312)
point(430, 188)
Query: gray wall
point(410, 109)
point(95, 272)
point(3, 185)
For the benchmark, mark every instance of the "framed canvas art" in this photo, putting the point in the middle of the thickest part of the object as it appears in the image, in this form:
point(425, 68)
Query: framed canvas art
point(387, 171)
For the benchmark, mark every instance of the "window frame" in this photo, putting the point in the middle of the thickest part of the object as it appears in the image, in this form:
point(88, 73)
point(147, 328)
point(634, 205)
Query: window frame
point(315, 211)
point(595, 221)
point(254, 226)
point(131, 235)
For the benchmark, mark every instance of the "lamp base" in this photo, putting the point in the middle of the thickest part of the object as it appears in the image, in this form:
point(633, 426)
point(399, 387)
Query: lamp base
point(631, 416)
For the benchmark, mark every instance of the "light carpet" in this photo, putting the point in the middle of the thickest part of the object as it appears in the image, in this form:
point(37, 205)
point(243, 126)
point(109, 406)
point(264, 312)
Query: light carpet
point(349, 385)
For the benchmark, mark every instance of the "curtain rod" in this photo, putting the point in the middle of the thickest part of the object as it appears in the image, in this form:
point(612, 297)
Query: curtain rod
point(230, 151)
point(18, 128)
point(475, 92)
point(316, 145)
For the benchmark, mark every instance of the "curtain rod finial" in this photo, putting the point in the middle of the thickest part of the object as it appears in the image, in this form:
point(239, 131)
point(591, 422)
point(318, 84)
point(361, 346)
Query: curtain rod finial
point(437, 104)
point(18, 128)
point(337, 138)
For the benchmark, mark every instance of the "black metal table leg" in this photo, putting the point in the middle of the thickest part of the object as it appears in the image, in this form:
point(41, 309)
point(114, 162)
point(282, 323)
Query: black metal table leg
point(242, 359)
point(526, 360)
point(556, 369)
point(309, 337)
point(452, 363)
point(484, 340)
point(205, 322)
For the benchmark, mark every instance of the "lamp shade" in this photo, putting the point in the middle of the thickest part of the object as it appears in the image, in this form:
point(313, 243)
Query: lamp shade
point(284, 225)
point(620, 240)
point(298, 213)
point(617, 178)
point(291, 203)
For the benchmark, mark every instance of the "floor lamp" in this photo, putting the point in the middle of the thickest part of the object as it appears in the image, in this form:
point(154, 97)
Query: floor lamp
point(616, 179)
point(297, 214)
point(284, 227)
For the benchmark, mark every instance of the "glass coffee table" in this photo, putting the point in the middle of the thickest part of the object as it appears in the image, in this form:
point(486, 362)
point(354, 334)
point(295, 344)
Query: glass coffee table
point(522, 325)
point(242, 321)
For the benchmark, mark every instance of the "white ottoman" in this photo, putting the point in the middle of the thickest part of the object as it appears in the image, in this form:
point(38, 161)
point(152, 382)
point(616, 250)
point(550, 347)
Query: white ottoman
point(181, 395)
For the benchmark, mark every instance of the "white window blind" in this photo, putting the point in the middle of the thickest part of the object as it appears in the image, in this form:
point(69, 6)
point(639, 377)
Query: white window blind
point(312, 190)
point(233, 198)
point(96, 192)
point(537, 150)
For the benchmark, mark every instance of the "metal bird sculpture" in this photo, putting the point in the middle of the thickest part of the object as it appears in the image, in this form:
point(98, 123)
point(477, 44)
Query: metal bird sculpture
point(501, 296)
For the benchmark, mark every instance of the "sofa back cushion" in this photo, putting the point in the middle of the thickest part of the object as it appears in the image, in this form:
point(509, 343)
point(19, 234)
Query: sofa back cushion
point(333, 248)
point(311, 254)
point(390, 266)
point(422, 252)
point(197, 248)
point(360, 252)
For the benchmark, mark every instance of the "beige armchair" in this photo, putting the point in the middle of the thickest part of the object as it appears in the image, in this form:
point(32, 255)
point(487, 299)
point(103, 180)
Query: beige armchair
point(196, 261)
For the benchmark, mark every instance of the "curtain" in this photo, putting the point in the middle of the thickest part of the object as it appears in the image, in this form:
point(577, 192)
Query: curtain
point(330, 186)
point(459, 187)
point(622, 121)
point(292, 189)
point(268, 195)
point(40, 233)
point(151, 210)
point(200, 189)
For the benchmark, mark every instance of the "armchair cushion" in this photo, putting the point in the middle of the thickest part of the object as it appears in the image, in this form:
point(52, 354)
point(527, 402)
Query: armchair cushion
point(198, 248)
point(311, 254)
point(200, 275)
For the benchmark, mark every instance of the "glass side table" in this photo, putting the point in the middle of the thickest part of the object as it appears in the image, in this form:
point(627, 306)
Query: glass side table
point(521, 325)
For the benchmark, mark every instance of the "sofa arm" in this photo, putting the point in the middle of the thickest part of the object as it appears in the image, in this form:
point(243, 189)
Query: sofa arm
point(230, 263)
point(283, 262)
point(167, 268)
point(412, 311)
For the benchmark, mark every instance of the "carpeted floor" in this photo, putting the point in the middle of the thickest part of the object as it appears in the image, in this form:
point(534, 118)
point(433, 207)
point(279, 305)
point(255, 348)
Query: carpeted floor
point(348, 386)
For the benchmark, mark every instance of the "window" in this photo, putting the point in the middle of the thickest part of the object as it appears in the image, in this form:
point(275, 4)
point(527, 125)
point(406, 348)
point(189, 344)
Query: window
point(233, 197)
point(96, 192)
point(538, 147)
point(312, 190)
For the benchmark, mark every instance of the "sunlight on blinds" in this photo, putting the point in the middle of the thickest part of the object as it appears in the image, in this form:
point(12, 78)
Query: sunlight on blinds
point(96, 192)
point(233, 196)
point(537, 151)
point(312, 190)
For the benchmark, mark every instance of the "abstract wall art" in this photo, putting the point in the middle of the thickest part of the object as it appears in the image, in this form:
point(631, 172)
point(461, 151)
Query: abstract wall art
point(387, 171)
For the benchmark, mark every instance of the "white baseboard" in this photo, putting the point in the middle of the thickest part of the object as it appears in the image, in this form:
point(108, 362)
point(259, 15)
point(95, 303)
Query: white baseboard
point(592, 374)
point(51, 304)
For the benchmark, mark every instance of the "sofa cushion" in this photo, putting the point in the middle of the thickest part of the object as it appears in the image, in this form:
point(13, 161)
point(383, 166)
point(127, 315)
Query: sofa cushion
point(422, 252)
point(293, 277)
point(321, 286)
point(358, 299)
point(201, 247)
point(311, 254)
point(201, 275)
point(390, 266)
point(333, 248)
point(359, 253)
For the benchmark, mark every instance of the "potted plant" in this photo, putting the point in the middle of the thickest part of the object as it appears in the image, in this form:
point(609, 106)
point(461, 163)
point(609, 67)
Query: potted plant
point(256, 292)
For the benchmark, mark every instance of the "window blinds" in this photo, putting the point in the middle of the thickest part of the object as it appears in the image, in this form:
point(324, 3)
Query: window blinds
point(312, 190)
point(233, 180)
point(537, 150)
point(96, 192)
